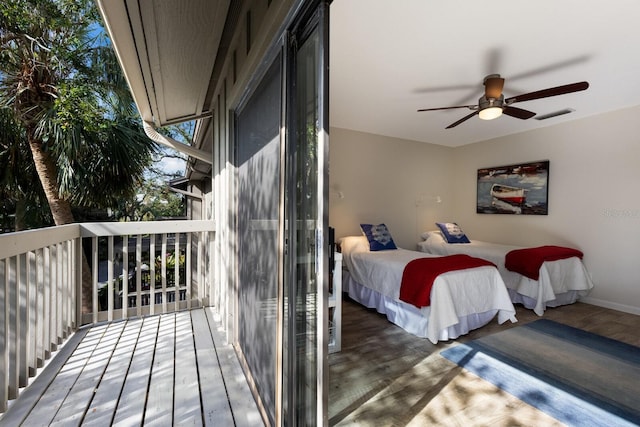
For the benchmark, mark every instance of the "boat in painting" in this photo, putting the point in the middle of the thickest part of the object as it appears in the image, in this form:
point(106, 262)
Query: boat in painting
point(504, 207)
point(508, 194)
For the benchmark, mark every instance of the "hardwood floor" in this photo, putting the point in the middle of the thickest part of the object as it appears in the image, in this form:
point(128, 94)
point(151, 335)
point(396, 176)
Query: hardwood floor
point(386, 377)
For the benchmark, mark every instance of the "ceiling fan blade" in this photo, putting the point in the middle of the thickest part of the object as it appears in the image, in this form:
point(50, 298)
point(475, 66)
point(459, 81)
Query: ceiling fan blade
point(493, 86)
point(545, 93)
point(471, 107)
point(518, 113)
point(465, 118)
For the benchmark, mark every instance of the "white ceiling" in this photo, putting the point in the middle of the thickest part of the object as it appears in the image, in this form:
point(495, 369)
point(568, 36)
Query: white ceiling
point(389, 58)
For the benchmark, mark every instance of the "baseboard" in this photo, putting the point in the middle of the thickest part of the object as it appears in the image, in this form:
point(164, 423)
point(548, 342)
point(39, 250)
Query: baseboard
point(612, 305)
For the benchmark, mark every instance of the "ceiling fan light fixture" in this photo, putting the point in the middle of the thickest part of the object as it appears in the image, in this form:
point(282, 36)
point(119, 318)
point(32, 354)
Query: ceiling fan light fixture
point(490, 113)
point(493, 104)
point(490, 108)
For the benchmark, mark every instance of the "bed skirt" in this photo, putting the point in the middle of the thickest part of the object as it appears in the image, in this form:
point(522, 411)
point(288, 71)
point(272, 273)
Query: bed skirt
point(561, 282)
point(539, 306)
point(409, 317)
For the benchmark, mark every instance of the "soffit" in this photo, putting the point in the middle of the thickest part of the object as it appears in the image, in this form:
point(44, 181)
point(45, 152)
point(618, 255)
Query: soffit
point(167, 50)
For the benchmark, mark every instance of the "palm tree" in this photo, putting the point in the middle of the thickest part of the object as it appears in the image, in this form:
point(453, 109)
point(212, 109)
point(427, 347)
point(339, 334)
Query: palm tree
point(60, 79)
point(22, 202)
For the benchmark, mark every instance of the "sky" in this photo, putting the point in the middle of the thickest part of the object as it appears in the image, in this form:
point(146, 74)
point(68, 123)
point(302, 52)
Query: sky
point(183, 133)
point(171, 165)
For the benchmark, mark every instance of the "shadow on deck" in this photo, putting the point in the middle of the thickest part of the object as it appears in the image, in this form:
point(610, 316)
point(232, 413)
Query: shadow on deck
point(170, 369)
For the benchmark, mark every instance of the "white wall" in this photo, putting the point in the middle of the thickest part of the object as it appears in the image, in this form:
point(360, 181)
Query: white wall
point(594, 184)
point(383, 179)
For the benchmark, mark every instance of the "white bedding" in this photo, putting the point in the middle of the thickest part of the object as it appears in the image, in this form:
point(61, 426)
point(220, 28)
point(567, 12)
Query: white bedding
point(460, 300)
point(560, 282)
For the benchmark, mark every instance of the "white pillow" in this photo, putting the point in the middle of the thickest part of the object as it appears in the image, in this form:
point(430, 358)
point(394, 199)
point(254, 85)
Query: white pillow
point(435, 235)
point(351, 244)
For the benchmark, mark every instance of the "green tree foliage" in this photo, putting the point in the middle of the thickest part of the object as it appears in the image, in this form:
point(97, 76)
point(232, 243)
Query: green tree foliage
point(61, 84)
point(75, 121)
point(153, 199)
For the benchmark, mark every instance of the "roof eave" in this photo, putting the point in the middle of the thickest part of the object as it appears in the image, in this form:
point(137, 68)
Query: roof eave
point(118, 26)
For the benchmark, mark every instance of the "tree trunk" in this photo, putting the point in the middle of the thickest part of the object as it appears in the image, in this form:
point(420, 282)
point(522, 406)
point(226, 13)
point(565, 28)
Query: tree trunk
point(60, 207)
point(19, 222)
point(48, 174)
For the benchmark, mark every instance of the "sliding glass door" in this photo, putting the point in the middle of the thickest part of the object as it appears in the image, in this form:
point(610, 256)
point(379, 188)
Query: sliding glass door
point(281, 139)
point(305, 285)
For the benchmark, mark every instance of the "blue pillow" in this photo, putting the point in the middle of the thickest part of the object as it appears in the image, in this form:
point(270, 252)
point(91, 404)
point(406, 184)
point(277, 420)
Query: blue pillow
point(452, 232)
point(378, 236)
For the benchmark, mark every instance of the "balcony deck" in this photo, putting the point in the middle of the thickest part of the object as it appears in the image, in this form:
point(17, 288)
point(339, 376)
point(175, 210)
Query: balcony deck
point(169, 369)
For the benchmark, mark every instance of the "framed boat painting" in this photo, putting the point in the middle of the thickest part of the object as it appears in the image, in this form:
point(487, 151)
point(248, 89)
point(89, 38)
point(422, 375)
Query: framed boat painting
point(521, 189)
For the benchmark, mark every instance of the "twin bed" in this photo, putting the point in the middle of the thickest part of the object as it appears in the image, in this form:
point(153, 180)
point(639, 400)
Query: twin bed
point(461, 300)
point(559, 282)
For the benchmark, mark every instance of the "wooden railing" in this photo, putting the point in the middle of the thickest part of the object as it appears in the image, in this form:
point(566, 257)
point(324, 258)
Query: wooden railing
point(136, 269)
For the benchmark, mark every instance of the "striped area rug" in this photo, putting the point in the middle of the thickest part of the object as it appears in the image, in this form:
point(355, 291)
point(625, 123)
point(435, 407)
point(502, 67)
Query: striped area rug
point(577, 377)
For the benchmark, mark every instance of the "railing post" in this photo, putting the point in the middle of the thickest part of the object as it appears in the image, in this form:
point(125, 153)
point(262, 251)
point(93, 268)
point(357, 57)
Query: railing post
point(211, 270)
point(94, 284)
point(62, 277)
point(187, 270)
point(5, 302)
point(40, 321)
point(78, 282)
point(32, 310)
point(199, 277)
point(46, 313)
point(59, 292)
point(164, 272)
point(69, 288)
point(17, 357)
point(110, 284)
point(125, 276)
point(25, 337)
point(152, 274)
point(139, 275)
point(176, 271)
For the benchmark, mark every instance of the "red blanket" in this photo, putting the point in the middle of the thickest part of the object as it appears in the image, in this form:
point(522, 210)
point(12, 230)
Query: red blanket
point(419, 274)
point(528, 261)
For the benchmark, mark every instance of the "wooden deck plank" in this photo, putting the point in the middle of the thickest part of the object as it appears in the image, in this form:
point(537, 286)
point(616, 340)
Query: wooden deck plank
point(243, 406)
point(186, 406)
point(160, 398)
point(130, 410)
point(79, 398)
point(171, 369)
point(215, 403)
point(48, 405)
point(107, 395)
point(21, 408)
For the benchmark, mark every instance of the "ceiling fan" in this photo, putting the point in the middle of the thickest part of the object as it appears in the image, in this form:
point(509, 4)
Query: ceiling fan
point(493, 103)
